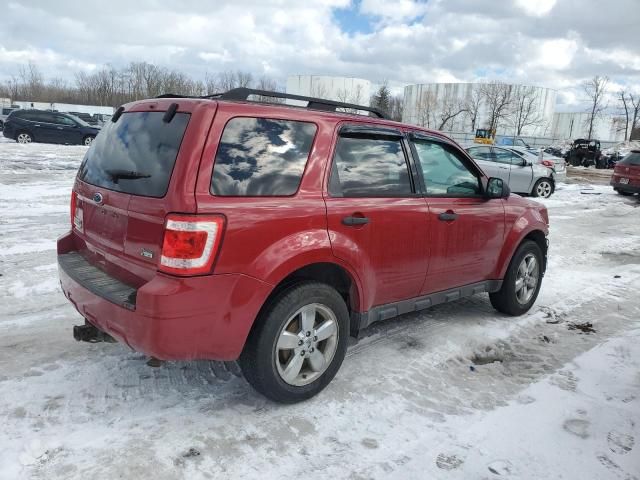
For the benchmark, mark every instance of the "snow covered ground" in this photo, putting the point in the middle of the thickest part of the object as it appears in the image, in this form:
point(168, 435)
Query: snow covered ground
point(456, 392)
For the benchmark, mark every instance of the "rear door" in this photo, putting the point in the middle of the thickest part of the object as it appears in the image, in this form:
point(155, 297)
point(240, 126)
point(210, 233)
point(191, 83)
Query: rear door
point(465, 229)
point(67, 130)
point(377, 219)
point(136, 171)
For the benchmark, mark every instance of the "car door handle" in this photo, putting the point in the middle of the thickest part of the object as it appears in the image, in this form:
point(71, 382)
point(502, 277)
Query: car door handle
point(447, 216)
point(351, 221)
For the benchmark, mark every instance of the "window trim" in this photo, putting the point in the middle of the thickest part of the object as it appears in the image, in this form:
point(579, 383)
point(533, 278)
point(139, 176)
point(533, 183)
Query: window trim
point(304, 171)
point(367, 133)
point(447, 146)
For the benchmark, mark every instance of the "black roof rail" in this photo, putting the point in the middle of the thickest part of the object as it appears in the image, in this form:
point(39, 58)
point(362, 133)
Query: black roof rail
point(243, 94)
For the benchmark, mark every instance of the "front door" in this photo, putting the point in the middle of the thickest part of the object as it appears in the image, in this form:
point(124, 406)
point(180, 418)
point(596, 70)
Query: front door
point(521, 171)
point(67, 130)
point(377, 221)
point(486, 160)
point(465, 229)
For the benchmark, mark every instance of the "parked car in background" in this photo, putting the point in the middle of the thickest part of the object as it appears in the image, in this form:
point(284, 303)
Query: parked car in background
point(86, 117)
point(223, 229)
point(585, 153)
point(558, 164)
point(4, 113)
point(626, 174)
point(26, 126)
point(519, 171)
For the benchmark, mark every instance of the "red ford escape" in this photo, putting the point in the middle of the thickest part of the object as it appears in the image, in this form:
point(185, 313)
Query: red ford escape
point(626, 174)
point(222, 228)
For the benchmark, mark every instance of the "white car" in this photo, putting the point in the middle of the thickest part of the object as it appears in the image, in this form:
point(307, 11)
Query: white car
point(558, 164)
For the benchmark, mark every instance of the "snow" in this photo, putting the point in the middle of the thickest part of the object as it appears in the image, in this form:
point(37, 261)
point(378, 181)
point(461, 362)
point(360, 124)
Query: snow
point(457, 391)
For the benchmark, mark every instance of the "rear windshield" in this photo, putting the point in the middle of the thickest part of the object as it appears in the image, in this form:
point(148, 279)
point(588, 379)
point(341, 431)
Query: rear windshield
point(136, 154)
point(631, 159)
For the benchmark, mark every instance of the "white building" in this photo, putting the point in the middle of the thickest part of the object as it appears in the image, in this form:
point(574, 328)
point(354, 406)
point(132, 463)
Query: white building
point(424, 105)
point(341, 89)
point(572, 125)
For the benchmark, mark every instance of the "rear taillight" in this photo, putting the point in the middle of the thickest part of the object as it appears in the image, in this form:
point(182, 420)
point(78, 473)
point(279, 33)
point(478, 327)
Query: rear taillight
point(191, 243)
point(548, 163)
point(76, 213)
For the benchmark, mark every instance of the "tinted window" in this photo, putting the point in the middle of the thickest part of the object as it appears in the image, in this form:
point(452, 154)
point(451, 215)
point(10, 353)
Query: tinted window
point(261, 157)
point(136, 154)
point(481, 153)
point(632, 158)
point(44, 117)
point(62, 120)
point(506, 156)
point(369, 167)
point(445, 174)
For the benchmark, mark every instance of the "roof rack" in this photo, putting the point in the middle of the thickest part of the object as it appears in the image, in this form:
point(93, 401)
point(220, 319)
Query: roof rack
point(243, 94)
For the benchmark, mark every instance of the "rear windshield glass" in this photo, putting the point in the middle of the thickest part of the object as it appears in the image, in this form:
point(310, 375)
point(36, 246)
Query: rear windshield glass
point(631, 159)
point(261, 157)
point(136, 154)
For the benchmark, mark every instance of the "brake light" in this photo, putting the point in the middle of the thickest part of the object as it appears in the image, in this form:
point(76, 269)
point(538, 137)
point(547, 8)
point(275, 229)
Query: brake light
point(190, 243)
point(548, 163)
point(72, 207)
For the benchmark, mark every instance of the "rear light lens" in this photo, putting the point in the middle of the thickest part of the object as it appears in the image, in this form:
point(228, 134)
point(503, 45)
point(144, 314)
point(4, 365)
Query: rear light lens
point(548, 163)
point(76, 213)
point(191, 243)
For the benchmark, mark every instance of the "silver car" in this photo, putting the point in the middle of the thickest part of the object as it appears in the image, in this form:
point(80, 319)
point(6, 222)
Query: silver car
point(558, 164)
point(522, 173)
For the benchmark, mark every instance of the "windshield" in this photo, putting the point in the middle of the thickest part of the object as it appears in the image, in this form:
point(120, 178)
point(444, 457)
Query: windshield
point(136, 154)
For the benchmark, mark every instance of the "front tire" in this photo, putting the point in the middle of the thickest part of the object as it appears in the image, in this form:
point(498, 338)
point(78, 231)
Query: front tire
point(88, 140)
point(24, 138)
point(543, 188)
point(622, 192)
point(522, 282)
point(298, 343)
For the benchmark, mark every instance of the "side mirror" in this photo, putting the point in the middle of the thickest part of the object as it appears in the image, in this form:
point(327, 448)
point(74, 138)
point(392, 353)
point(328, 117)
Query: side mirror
point(526, 163)
point(496, 188)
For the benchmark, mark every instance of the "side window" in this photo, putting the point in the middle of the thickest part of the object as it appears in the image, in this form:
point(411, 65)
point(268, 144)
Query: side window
point(62, 120)
point(504, 156)
point(261, 157)
point(481, 153)
point(43, 117)
point(444, 173)
point(369, 167)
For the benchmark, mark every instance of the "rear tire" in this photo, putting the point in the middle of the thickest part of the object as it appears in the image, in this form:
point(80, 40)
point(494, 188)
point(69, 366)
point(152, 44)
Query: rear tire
point(622, 192)
point(543, 188)
point(511, 299)
point(24, 137)
point(88, 140)
point(298, 343)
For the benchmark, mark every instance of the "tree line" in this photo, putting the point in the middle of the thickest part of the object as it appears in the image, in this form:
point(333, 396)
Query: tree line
point(111, 86)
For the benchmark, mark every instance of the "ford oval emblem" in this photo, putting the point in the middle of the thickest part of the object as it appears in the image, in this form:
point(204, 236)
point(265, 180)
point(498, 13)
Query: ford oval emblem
point(97, 197)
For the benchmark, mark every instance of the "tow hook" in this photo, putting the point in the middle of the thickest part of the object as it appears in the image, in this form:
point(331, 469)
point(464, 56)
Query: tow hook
point(91, 334)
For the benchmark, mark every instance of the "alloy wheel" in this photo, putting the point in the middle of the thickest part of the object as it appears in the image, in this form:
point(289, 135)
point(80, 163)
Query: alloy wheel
point(544, 189)
point(307, 344)
point(24, 138)
point(527, 278)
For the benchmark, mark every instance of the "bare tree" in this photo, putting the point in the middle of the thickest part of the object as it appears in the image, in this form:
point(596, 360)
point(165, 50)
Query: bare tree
point(624, 100)
point(448, 110)
point(634, 101)
point(497, 98)
point(426, 109)
point(524, 110)
point(396, 107)
point(472, 106)
point(595, 89)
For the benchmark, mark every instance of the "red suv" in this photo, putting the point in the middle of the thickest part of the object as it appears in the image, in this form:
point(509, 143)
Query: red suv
point(222, 228)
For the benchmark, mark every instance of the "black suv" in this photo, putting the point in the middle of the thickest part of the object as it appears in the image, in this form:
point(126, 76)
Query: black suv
point(26, 126)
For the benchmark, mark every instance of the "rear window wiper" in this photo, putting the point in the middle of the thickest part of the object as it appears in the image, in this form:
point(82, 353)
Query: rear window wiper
point(118, 174)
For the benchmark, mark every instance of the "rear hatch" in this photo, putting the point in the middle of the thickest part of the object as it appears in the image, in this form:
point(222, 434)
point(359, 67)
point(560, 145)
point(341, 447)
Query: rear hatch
point(627, 170)
point(138, 169)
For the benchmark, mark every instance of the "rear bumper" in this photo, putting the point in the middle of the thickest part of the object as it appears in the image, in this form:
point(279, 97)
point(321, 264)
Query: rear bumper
point(173, 318)
point(624, 187)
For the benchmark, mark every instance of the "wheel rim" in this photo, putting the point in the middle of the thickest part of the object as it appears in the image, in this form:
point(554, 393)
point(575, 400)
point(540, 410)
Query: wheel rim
point(88, 141)
point(24, 138)
point(527, 278)
point(544, 189)
point(306, 345)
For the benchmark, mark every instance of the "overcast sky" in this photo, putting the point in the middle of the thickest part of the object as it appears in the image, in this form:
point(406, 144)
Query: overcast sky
point(551, 43)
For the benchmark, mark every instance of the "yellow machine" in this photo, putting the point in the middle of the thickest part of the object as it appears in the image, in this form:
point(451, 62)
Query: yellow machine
point(485, 136)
